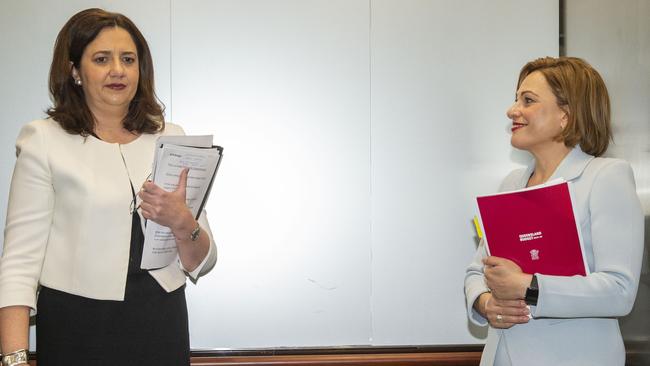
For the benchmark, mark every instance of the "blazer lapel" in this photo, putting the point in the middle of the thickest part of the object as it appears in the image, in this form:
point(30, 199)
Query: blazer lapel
point(573, 165)
point(569, 169)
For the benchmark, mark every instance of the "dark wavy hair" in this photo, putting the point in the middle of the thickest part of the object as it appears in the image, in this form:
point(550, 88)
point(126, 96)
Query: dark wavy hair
point(70, 110)
point(581, 92)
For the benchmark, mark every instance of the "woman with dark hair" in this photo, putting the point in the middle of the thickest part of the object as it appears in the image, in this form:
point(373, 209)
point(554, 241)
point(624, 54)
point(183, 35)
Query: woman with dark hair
point(561, 116)
point(77, 206)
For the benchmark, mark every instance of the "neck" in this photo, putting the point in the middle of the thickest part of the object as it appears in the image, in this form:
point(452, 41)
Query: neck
point(109, 125)
point(115, 134)
point(110, 117)
point(113, 131)
point(546, 162)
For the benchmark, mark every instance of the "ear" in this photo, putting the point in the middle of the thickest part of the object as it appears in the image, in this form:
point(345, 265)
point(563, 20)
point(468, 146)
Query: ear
point(74, 72)
point(564, 119)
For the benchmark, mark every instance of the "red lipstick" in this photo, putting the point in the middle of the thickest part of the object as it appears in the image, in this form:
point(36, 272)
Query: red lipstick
point(116, 86)
point(516, 126)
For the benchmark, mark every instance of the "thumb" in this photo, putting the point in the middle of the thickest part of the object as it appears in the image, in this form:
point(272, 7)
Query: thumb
point(492, 261)
point(182, 181)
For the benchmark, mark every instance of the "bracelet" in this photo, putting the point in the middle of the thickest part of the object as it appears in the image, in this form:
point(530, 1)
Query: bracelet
point(195, 233)
point(15, 358)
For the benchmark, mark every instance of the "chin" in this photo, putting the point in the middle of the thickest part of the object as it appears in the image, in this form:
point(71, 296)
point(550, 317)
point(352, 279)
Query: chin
point(517, 143)
point(118, 102)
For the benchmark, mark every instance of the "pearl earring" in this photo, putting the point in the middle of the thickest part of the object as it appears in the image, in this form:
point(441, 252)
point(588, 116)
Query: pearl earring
point(78, 82)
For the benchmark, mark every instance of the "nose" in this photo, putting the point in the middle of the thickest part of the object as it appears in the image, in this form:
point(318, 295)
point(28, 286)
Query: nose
point(513, 111)
point(117, 69)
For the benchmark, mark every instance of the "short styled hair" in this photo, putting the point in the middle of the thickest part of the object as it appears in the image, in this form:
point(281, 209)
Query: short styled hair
point(70, 110)
point(582, 93)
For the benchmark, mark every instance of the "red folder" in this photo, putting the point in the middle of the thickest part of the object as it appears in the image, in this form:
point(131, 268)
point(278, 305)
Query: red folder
point(536, 228)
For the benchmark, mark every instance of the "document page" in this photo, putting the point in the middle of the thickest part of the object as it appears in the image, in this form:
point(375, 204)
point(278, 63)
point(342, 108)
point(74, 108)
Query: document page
point(169, 160)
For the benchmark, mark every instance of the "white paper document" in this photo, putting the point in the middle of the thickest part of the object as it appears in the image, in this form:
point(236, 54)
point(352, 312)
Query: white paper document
point(172, 155)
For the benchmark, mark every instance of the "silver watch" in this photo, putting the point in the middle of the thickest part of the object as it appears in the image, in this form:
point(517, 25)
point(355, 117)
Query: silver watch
point(195, 233)
point(15, 358)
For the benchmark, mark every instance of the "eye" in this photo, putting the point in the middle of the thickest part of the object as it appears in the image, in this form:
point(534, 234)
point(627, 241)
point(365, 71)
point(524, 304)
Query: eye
point(100, 59)
point(128, 59)
point(528, 100)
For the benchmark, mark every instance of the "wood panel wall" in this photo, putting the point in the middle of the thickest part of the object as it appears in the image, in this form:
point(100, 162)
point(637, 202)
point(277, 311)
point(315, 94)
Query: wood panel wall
point(373, 356)
point(638, 354)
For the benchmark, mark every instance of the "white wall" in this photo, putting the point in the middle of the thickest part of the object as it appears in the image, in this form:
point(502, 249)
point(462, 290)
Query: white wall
point(614, 36)
point(283, 85)
point(356, 135)
point(443, 74)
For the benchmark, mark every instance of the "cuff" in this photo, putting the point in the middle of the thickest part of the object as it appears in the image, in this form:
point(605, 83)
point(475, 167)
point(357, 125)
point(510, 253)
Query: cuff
point(474, 316)
point(197, 271)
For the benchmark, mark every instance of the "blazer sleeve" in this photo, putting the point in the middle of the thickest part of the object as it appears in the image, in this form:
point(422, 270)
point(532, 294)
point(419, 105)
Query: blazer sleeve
point(617, 225)
point(29, 218)
point(475, 284)
point(211, 258)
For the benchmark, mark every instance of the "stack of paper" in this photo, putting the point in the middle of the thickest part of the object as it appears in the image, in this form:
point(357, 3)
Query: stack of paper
point(172, 155)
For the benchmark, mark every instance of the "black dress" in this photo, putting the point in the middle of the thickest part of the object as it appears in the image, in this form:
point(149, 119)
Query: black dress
point(149, 327)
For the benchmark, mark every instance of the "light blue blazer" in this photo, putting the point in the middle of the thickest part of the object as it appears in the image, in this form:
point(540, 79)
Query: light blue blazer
point(575, 320)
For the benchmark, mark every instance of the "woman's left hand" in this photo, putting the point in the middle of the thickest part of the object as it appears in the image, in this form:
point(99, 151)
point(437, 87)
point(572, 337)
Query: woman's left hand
point(166, 208)
point(505, 278)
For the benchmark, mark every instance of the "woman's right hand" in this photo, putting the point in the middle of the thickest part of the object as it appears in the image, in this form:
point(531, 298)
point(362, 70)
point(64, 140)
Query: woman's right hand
point(502, 314)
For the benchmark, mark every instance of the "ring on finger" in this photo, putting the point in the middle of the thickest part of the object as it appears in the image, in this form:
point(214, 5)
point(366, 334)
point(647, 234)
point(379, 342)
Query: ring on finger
point(499, 317)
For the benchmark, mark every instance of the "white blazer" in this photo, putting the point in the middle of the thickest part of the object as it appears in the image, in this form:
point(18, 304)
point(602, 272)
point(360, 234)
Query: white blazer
point(69, 216)
point(574, 322)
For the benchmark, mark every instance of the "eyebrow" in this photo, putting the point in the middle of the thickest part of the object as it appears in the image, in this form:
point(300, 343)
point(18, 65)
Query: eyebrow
point(527, 91)
point(111, 52)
